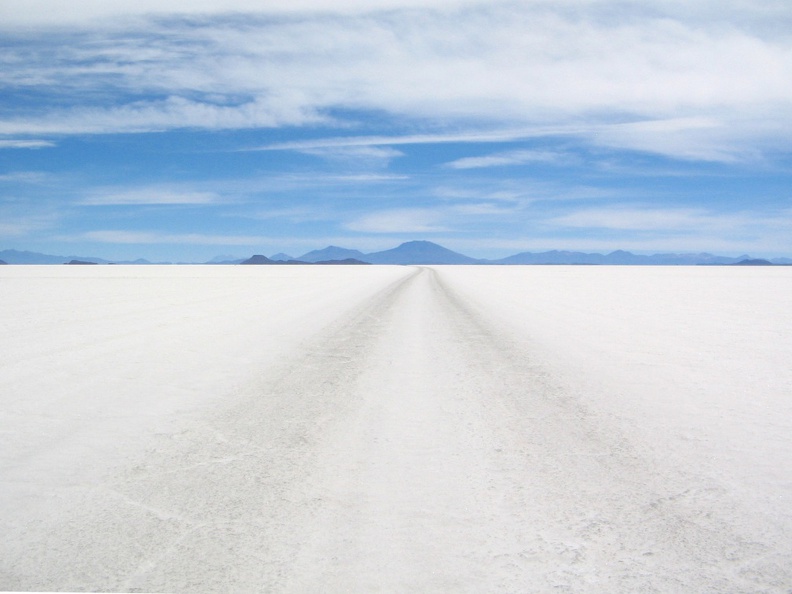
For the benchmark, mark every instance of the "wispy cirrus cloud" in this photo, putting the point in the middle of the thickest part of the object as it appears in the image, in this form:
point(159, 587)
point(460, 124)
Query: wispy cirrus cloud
point(524, 191)
point(25, 144)
point(37, 13)
point(171, 113)
point(14, 225)
point(400, 220)
point(155, 237)
point(25, 177)
point(360, 156)
point(147, 195)
point(518, 157)
point(551, 120)
point(562, 65)
point(677, 221)
point(470, 135)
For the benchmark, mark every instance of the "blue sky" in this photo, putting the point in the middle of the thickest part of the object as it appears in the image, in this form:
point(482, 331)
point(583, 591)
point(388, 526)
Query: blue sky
point(186, 129)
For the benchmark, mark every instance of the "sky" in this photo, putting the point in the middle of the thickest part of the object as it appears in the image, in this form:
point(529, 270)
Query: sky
point(186, 129)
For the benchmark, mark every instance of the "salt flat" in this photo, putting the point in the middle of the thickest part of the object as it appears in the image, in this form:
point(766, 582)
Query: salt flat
point(435, 429)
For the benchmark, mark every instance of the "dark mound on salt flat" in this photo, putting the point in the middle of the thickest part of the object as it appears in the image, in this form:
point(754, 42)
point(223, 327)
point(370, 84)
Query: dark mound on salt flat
point(753, 262)
point(344, 262)
point(258, 259)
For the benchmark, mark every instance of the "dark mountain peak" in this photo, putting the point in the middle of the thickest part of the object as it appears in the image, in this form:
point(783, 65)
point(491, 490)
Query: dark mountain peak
point(258, 259)
point(331, 252)
point(419, 243)
point(344, 262)
point(753, 262)
point(3, 262)
point(419, 252)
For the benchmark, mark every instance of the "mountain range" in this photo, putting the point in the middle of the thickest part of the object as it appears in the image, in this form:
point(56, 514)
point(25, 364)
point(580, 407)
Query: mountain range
point(426, 252)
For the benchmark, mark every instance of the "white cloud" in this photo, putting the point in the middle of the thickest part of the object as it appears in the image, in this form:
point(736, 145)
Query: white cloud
point(759, 233)
point(523, 192)
point(361, 156)
point(368, 178)
point(174, 112)
point(562, 65)
point(678, 222)
point(154, 237)
point(510, 158)
point(487, 209)
point(635, 218)
point(294, 215)
point(487, 193)
point(703, 139)
point(468, 136)
point(148, 195)
point(13, 225)
point(25, 144)
point(25, 177)
point(403, 220)
point(56, 13)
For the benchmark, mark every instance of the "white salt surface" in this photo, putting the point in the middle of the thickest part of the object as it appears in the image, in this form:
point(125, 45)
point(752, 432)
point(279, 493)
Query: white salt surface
point(447, 429)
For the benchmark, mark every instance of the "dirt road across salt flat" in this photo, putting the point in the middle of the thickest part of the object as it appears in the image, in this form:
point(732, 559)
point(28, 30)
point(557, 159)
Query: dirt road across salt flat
point(411, 446)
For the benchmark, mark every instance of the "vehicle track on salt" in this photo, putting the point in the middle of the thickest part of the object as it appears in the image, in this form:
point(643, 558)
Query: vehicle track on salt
point(411, 447)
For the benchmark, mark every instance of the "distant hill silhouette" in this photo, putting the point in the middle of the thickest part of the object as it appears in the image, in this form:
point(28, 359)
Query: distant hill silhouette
point(551, 257)
point(258, 259)
point(419, 252)
point(330, 253)
point(18, 257)
point(619, 257)
point(225, 259)
point(345, 262)
point(426, 252)
point(753, 262)
point(3, 262)
point(79, 262)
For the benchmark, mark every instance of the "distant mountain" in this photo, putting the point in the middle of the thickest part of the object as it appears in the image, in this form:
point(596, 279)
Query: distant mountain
point(80, 262)
point(17, 257)
point(258, 259)
point(331, 252)
point(219, 262)
point(423, 252)
point(753, 262)
point(551, 257)
point(419, 252)
point(225, 259)
point(619, 257)
point(138, 261)
point(345, 262)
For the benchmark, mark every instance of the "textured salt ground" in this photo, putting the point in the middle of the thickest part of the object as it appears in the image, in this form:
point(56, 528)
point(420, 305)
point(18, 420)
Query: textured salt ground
point(412, 445)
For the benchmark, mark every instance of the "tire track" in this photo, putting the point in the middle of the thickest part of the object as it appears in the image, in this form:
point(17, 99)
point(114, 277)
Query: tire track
point(207, 509)
point(607, 511)
point(468, 468)
point(412, 447)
